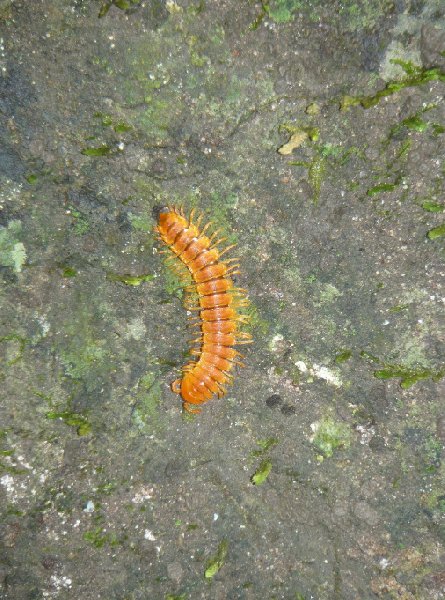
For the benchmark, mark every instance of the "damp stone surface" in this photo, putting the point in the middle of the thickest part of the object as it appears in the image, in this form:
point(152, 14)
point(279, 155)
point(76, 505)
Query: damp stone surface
point(313, 135)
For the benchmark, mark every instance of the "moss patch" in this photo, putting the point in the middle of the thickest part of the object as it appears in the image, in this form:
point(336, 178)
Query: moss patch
point(12, 251)
point(330, 435)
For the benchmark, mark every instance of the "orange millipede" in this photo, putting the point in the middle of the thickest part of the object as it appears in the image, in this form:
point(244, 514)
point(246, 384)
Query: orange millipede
point(217, 303)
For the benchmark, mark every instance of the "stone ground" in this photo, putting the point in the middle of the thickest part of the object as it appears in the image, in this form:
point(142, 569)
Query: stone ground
point(313, 134)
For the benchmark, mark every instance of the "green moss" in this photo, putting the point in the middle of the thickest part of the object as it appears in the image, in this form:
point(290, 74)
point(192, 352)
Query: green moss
point(416, 124)
point(414, 76)
point(11, 469)
point(436, 232)
point(329, 293)
point(108, 121)
point(433, 206)
point(15, 347)
point(98, 537)
point(315, 175)
point(100, 151)
point(262, 473)
point(122, 127)
point(105, 118)
point(255, 321)
point(146, 414)
point(140, 222)
point(265, 446)
point(81, 360)
point(358, 15)
point(438, 129)
point(81, 224)
point(31, 178)
point(435, 501)
point(342, 356)
point(330, 435)
point(282, 11)
point(316, 170)
point(176, 277)
point(408, 376)
point(12, 251)
point(219, 212)
point(133, 280)
point(121, 4)
point(415, 365)
point(398, 308)
point(72, 419)
point(216, 562)
point(68, 272)
point(382, 187)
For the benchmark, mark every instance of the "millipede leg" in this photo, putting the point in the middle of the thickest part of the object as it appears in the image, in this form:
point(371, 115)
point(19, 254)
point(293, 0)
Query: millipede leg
point(187, 407)
point(176, 386)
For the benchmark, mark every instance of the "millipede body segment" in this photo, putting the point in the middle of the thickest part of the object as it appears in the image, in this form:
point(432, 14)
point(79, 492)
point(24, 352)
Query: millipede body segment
point(216, 301)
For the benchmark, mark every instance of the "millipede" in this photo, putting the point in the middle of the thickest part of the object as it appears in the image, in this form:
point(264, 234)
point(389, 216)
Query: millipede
point(215, 299)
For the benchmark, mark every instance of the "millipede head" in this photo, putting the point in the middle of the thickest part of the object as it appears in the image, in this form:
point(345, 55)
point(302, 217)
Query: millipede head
point(158, 210)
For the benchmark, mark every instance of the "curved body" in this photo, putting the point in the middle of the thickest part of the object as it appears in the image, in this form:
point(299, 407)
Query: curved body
point(217, 303)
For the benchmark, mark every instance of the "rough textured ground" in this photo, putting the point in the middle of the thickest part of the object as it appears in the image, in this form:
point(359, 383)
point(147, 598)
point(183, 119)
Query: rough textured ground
point(313, 134)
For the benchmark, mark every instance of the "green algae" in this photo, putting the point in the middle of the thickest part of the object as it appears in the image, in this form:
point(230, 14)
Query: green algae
point(408, 377)
point(83, 358)
point(415, 368)
point(121, 4)
point(99, 537)
point(12, 251)
point(430, 206)
point(254, 320)
point(81, 224)
point(31, 178)
point(414, 76)
point(282, 11)
point(398, 308)
point(330, 435)
point(436, 232)
point(352, 16)
point(437, 128)
point(11, 469)
point(381, 187)
point(328, 294)
point(146, 415)
point(415, 123)
point(316, 171)
point(215, 563)
point(134, 280)
point(80, 422)
point(435, 500)
point(68, 272)
point(99, 151)
point(66, 415)
point(342, 356)
point(140, 222)
point(108, 121)
point(176, 278)
point(265, 446)
point(262, 472)
point(15, 347)
point(8, 468)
